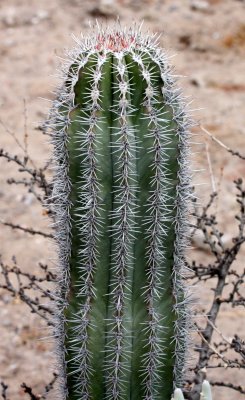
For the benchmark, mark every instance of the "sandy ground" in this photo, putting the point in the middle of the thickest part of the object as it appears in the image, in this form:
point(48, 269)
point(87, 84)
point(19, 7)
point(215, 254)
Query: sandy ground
point(207, 39)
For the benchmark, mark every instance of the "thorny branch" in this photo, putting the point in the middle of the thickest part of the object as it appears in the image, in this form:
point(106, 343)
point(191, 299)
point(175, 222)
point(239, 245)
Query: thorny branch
point(230, 385)
point(220, 269)
point(29, 391)
point(37, 177)
point(4, 390)
point(231, 151)
point(32, 288)
point(25, 284)
point(27, 230)
point(48, 388)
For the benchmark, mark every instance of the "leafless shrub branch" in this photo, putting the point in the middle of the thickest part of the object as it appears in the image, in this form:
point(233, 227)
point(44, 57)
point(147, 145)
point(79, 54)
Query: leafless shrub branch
point(25, 284)
point(29, 391)
point(223, 259)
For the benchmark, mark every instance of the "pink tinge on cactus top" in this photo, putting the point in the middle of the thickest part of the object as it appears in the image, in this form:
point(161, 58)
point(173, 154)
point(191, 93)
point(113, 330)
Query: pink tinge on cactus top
point(116, 42)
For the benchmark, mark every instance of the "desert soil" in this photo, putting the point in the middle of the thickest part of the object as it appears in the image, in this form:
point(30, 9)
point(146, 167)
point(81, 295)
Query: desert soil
point(207, 39)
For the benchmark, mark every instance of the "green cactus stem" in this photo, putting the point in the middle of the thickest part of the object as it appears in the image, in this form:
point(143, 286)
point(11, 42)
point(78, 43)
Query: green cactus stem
point(206, 393)
point(121, 191)
point(178, 395)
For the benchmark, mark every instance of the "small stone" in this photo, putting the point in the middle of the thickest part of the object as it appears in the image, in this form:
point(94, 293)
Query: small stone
point(185, 40)
point(197, 81)
point(199, 5)
point(105, 9)
point(216, 35)
point(41, 15)
point(173, 8)
point(13, 368)
point(6, 298)
point(29, 199)
point(9, 17)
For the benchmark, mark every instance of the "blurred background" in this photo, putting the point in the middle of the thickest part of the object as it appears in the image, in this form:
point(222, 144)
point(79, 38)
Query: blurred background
point(206, 42)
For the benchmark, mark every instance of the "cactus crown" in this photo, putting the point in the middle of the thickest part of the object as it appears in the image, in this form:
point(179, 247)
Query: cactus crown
point(120, 197)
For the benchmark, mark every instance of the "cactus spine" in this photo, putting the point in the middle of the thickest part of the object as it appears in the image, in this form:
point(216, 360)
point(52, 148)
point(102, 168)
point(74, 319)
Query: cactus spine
point(120, 197)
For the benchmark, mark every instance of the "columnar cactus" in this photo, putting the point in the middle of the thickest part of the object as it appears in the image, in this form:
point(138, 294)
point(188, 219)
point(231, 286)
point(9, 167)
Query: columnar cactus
point(120, 198)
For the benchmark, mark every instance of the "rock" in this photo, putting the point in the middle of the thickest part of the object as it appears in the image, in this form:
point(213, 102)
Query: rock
point(185, 40)
point(105, 9)
point(13, 17)
point(197, 81)
point(40, 15)
point(199, 5)
point(9, 17)
point(29, 199)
